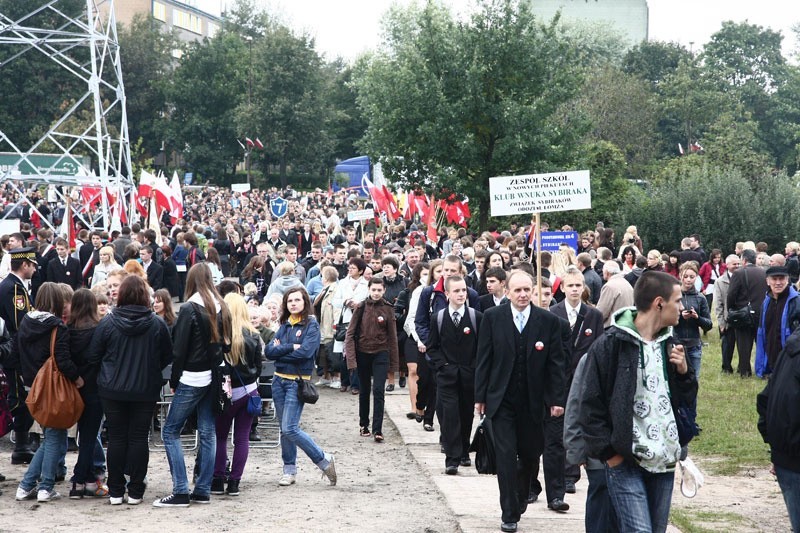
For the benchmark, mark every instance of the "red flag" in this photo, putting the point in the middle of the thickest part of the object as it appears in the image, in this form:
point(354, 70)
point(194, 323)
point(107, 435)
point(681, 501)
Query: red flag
point(91, 197)
point(391, 205)
point(259, 144)
point(249, 142)
point(430, 221)
point(532, 237)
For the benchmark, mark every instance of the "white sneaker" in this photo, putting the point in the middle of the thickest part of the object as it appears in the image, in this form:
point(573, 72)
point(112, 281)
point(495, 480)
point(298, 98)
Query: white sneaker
point(47, 495)
point(117, 501)
point(335, 384)
point(286, 480)
point(322, 381)
point(23, 494)
point(134, 501)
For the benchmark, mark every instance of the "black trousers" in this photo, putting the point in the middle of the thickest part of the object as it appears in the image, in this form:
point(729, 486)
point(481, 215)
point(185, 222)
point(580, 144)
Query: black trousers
point(455, 389)
point(553, 460)
point(518, 445)
point(744, 345)
point(16, 401)
point(372, 369)
point(426, 389)
point(128, 426)
point(728, 340)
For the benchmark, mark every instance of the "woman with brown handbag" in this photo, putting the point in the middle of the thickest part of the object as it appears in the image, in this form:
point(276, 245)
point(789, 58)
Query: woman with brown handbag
point(30, 350)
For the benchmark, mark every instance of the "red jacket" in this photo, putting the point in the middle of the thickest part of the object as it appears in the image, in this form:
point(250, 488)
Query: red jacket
point(705, 272)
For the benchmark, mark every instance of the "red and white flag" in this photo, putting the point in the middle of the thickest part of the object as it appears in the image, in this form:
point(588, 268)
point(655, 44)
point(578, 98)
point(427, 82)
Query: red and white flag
point(249, 142)
point(259, 144)
point(176, 200)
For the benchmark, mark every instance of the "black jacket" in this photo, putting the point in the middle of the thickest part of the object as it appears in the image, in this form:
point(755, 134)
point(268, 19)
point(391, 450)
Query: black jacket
point(155, 276)
point(192, 346)
point(31, 347)
point(171, 280)
point(131, 346)
point(740, 293)
point(779, 407)
point(606, 408)
point(249, 368)
point(687, 329)
point(79, 342)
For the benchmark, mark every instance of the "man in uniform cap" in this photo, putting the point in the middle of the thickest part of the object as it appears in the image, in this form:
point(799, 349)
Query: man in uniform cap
point(779, 317)
point(14, 305)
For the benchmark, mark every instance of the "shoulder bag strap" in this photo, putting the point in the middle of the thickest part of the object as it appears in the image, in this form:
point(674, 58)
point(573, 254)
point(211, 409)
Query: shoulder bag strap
point(53, 342)
point(746, 286)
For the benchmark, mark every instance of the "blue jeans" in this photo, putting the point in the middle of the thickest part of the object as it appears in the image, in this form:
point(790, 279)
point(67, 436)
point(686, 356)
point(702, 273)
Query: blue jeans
point(289, 410)
point(641, 499)
point(600, 516)
point(187, 399)
point(693, 355)
point(789, 481)
point(45, 462)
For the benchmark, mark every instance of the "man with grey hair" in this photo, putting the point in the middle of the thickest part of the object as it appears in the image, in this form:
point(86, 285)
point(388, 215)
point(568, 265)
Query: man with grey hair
point(726, 334)
point(616, 294)
point(777, 260)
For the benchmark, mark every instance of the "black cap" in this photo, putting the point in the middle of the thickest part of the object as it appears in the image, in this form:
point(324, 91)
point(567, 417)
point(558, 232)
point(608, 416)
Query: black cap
point(28, 254)
point(777, 271)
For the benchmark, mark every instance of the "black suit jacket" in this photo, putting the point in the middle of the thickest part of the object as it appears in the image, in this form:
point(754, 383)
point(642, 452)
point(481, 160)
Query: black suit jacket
point(453, 350)
point(588, 328)
point(486, 301)
point(155, 276)
point(71, 275)
point(496, 353)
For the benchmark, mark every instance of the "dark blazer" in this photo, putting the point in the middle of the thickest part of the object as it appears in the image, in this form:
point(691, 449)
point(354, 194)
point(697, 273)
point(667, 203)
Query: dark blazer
point(740, 293)
point(453, 350)
point(155, 276)
point(588, 328)
point(496, 353)
point(486, 301)
point(71, 275)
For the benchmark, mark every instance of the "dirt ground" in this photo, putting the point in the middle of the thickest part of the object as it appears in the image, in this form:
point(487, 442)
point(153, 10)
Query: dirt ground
point(380, 488)
point(749, 502)
point(392, 487)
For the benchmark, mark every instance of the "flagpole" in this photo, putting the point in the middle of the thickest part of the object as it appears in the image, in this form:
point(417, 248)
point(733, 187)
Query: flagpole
point(538, 258)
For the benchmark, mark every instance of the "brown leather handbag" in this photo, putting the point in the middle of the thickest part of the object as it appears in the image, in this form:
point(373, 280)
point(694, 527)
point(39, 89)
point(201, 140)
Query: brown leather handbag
point(54, 400)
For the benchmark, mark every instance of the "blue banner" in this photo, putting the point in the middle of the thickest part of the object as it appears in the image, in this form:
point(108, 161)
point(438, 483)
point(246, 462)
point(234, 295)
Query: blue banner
point(551, 240)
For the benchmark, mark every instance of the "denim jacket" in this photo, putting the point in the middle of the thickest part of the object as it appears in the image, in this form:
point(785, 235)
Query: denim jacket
point(287, 359)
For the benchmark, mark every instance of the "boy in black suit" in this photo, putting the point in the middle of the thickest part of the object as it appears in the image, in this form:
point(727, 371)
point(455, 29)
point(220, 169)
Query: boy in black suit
point(452, 348)
point(64, 268)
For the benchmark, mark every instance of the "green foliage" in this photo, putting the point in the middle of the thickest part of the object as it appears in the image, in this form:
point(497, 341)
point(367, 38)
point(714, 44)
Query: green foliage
point(732, 143)
point(654, 61)
point(451, 104)
point(204, 92)
point(36, 90)
point(146, 56)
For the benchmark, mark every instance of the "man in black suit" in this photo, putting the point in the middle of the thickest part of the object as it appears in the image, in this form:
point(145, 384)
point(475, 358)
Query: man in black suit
point(520, 369)
point(89, 255)
point(154, 271)
point(496, 285)
point(64, 268)
point(586, 326)
point(452, 347)
point(748, 286)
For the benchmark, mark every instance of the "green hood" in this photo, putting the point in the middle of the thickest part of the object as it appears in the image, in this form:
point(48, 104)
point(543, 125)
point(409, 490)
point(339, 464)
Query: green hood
point(623, 319)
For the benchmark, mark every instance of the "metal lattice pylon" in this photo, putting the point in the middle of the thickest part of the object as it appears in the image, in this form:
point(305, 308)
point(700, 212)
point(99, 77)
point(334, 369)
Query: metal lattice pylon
point(104, 98)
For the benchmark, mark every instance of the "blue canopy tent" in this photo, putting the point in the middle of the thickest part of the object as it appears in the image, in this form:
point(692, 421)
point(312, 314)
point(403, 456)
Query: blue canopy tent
point(355, 168)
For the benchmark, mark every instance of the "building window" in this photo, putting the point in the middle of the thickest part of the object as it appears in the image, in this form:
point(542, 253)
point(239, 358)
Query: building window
point(212, 30)
point(187, 21)
point(159, 11)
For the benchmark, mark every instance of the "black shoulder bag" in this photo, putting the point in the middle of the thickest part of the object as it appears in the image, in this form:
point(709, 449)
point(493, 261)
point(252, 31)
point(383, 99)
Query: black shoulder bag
point(746, 316)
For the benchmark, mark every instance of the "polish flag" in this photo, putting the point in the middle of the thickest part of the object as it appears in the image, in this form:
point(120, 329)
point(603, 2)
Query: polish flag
point(430, 221)
point(259, 144)
point(176, 200)
point(67, 229)
point(391, 210)
point(249, 142)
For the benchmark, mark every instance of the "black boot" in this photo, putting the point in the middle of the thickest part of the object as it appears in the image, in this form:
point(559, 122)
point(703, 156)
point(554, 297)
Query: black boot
point(22, 454)
point(35, 440)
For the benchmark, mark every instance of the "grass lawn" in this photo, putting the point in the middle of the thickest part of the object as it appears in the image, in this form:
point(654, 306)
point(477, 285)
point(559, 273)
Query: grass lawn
point(726, 410)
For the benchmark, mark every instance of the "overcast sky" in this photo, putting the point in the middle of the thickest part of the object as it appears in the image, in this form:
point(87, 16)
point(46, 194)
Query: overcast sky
point(348, 27)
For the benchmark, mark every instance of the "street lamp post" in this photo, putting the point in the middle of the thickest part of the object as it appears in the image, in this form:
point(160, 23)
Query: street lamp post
point(249, 99)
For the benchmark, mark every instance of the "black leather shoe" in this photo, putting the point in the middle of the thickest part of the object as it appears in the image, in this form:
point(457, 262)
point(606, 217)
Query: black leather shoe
point(508, 527)
point(451, 470)
point(390, 387)
point(558, 505)
point(569, 487)
point(532, 497)
point(254, 436)
point(465, 461)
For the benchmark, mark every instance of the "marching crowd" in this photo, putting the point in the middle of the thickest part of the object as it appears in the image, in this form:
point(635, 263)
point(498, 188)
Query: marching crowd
point(595, 365)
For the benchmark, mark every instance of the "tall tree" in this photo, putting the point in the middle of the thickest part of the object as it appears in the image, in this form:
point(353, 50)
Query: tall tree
point(654, 61)
point(289, 109)
point(36, 90)
point(450, 104)
point(146, 56)
point(204, 92)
